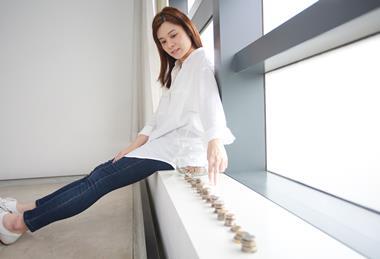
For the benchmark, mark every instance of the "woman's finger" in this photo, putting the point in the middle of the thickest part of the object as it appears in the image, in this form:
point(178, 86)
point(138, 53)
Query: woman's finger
point(210, 169)
point(216, 169)
point(116, 158)
point(223, 166)
point(216, 175)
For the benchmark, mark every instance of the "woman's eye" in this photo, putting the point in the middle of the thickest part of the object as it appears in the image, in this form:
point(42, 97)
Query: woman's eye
point(173, 36)
point(163, 42)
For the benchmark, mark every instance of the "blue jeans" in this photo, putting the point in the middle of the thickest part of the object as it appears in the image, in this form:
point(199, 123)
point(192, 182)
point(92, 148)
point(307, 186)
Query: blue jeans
point(79, 195)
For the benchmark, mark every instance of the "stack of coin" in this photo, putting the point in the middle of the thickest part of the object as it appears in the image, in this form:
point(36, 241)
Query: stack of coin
point(187, 177)
point(218, 204)
point(221, 214)
point(239, 234)
point(211, 199)
point(205, 193)
point(230, 218)
point(248, 243)
point(199, 187)
point(235, 228)
point(194, 182)
point(215, 201)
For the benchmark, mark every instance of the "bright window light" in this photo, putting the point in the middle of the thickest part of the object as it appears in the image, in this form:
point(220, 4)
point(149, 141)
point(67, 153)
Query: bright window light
point(277, 12)
point(323, 122)
point(190, 4)
point(207, 37)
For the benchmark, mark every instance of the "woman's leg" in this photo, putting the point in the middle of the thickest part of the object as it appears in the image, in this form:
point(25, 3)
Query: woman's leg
point(22, 207)
point(69, 186)
point(72, 200)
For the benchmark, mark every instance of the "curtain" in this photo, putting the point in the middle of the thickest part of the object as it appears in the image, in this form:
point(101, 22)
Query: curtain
point(146, 90)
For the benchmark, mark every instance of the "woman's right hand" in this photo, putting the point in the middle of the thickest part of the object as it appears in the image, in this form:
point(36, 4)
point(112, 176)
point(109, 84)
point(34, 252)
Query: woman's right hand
point(139, 141)
point(121, 154)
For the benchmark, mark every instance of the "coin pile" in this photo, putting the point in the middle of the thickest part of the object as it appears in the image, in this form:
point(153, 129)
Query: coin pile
point(199, 187)
point(193, 170)
point(187, 178)
point(248, 243)
point(205, 193)
point(211, 199)
point(230, 218)
point(235, 228)
point(218, 204)
point(221, 214)
point(193, 183)
point(239, 235)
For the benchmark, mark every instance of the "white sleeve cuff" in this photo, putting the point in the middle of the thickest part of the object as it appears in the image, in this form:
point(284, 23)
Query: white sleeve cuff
point(146, 130)
point(223, 134)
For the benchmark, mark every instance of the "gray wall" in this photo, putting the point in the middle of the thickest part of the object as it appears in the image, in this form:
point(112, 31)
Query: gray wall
point(65, 76)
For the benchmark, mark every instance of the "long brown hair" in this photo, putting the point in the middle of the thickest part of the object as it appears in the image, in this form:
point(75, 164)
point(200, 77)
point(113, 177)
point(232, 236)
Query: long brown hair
point(174, 16)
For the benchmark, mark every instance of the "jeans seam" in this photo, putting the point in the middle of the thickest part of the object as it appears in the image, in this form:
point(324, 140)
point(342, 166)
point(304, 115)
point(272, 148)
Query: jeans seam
point(90, 188)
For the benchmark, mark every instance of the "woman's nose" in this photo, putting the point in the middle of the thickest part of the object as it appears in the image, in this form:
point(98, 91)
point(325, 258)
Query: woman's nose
point(171, 44)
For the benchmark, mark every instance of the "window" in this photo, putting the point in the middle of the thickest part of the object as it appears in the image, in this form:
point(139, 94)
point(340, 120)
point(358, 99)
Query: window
point(299, 97)
point(207, 36)
point(190, 4)
point(277, 12)
point(323, 122)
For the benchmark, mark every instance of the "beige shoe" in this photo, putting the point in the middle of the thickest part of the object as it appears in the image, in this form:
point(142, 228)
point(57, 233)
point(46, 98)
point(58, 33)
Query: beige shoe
point(6, 237)
point(9, 204)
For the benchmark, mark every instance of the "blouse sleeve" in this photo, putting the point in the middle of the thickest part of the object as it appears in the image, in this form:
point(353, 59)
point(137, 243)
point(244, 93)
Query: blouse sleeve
point(211, 110)
point(151, 124)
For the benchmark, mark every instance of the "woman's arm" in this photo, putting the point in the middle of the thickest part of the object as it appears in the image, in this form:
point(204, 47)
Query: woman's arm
point(142, 136)
point(214, 123)
point(138, 142)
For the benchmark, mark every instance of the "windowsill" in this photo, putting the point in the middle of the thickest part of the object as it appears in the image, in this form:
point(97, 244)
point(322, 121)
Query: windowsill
point(189, 227)
point(352, 225)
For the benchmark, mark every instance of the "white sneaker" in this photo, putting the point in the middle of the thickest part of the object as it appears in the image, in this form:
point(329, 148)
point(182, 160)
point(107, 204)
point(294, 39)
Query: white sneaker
point(9, 204)
point(6, 237)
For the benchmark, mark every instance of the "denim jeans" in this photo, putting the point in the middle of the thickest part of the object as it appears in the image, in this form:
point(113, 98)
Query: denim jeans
point(79, 195)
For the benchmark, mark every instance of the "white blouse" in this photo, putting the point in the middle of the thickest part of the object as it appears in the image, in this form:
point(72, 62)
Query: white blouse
point(189, 115)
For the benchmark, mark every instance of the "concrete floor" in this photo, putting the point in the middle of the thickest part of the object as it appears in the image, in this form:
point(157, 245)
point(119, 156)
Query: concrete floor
point(105, 230)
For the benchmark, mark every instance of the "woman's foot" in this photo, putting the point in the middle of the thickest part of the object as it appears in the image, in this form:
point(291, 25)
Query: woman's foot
point(8, 230)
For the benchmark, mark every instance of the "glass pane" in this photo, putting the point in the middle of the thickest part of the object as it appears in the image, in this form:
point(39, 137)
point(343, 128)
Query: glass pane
point(190, 4)
point(323, 122)
point(277, 12)
point(207, 36)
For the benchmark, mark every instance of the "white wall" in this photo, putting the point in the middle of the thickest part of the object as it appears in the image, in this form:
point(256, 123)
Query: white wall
point(65, 76)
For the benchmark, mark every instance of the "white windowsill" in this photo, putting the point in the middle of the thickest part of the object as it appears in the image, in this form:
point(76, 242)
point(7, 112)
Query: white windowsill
point(190, 229)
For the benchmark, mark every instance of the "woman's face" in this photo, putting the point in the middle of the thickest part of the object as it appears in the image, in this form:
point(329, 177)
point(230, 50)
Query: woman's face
point(174, 40)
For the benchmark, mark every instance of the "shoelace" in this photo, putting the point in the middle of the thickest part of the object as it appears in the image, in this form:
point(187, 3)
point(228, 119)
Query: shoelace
point(4, 202)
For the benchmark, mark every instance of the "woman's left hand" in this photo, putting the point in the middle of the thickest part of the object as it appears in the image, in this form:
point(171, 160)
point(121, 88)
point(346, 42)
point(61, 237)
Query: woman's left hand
point(217, 160)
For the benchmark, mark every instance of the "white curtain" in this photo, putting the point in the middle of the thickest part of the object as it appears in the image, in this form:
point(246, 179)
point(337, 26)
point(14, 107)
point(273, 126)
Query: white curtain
point(146, 89)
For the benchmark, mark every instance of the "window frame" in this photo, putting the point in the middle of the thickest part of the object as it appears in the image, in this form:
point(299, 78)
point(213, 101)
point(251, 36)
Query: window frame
point(242, 56)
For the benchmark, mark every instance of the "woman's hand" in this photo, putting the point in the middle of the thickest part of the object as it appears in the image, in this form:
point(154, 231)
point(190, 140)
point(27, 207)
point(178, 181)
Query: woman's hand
point(217, 160)
point(121, 154)
point(139, 141)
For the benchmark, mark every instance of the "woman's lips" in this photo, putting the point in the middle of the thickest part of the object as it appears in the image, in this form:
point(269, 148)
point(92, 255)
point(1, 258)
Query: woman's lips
point(175, 51)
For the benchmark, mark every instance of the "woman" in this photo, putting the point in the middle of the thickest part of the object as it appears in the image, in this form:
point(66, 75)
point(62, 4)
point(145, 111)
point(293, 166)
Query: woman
point(190, 114)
